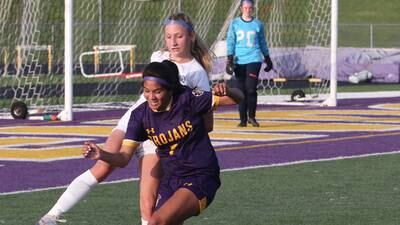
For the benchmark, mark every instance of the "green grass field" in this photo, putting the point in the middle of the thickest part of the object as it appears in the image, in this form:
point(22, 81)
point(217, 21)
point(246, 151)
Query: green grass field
point(366, 12)
point(369, 11)
point(359, 191)
point(355, 191)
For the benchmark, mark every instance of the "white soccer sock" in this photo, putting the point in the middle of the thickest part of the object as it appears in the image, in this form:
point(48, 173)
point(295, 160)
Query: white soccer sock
point(78, 189)
point(144, 222)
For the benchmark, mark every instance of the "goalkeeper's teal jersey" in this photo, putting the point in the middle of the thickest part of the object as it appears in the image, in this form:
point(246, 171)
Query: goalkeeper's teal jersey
point(246, 41)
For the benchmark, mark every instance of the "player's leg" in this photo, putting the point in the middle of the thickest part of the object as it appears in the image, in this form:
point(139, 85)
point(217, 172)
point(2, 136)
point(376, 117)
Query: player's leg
point(180, 199)
point(150, 174)
point(240, 81)
point(83, 184)
point(252, 72)
point(180, 206)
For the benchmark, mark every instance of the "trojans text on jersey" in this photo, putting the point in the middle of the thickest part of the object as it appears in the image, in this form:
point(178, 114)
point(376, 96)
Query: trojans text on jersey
point(172, 135)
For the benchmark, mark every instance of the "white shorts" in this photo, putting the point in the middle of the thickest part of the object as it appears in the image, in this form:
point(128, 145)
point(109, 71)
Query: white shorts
point(145, 148)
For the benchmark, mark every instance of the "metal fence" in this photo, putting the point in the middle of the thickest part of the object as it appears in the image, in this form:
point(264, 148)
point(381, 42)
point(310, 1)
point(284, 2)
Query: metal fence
point(369, 35)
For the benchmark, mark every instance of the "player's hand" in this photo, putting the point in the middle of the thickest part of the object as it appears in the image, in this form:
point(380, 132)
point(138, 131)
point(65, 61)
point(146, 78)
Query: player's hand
point(220, 89)
point(230, 67)
point(91, 150)
point(269, 66)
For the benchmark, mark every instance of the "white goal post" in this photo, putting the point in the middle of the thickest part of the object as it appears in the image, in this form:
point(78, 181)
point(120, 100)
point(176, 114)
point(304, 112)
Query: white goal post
point(332, 99)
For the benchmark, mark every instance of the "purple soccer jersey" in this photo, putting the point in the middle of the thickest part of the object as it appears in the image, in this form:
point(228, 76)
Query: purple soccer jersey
point(179, 133)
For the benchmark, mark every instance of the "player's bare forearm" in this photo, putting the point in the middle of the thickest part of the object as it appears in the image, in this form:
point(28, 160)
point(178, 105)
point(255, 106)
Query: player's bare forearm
point(114, 141)
point(228, 95)
point(235, 94)
point(119, 159)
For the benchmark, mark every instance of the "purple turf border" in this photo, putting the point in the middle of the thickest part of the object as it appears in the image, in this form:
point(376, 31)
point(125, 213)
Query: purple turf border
point(24, 176)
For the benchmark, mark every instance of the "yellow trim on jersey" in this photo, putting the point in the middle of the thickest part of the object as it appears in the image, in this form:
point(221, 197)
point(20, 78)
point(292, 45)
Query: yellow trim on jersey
point(202, 204)
point(215, 102)
point(129, 143)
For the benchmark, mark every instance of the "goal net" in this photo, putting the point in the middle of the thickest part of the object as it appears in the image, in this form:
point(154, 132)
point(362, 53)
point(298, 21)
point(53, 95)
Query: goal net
point(114, 39)
point(299, 39)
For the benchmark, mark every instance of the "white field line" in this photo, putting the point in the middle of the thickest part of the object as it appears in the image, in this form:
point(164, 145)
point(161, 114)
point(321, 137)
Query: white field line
point(224, 170)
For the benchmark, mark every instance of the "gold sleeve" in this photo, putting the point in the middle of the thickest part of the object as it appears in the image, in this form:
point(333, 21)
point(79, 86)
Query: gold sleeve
point(215, 102)
point(129, 143)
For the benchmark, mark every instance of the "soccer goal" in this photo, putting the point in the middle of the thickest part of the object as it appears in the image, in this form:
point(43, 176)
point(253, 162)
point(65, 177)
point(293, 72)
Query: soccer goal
point(302, 39)
point(67, 77)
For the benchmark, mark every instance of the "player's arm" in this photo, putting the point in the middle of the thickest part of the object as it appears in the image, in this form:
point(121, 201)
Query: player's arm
point(264, 49)
point(199, 79)
point(123, 122)
point(263, 41)
point(119, 159)
point(204, 84)
point(230, 44)
point(114, 140)
point(225, 95)
point(208, 119)
point(231, 39)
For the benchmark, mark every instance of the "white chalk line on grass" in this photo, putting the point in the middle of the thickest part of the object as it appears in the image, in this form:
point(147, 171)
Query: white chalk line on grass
point(311, 161)
point(224, 170)
point(361, 95)
point(64, 186)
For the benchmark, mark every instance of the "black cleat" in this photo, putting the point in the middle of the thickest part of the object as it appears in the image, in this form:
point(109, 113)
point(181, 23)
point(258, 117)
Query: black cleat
point(242, 124)
point(253, 122)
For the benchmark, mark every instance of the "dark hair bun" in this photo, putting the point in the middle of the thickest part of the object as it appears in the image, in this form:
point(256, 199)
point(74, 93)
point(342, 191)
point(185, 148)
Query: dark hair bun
point(166, 70)
point(172, 66)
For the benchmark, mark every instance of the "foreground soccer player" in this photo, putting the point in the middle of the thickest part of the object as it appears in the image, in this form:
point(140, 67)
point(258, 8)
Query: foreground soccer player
point(185, 48)
point(172, 118)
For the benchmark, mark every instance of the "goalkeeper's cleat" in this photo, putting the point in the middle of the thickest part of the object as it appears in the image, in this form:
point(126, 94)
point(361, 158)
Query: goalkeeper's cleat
point(50, 220)
point(242, 124)
point(253, 122)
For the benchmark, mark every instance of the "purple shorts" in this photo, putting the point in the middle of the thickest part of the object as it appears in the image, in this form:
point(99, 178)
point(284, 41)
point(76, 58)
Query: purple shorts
point(203, 186)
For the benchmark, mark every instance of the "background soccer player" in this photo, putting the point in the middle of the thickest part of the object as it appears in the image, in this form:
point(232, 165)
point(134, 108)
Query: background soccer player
point(246, 44)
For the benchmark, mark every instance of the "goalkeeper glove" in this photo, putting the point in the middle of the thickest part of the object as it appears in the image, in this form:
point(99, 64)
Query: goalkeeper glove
point(268, 63)
point(230, 67)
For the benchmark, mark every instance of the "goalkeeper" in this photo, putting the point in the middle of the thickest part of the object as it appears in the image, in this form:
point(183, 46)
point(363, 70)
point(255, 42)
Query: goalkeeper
point(247, 46)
